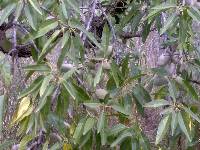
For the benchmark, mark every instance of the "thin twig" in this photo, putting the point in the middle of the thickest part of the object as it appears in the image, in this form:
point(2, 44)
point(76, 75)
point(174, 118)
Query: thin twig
point(83, 36)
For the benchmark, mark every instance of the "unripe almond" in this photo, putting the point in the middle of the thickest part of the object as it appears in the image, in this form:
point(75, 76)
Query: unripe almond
point(110, 49)
point(101, 93)
point(179, 79)
point(66, 67)
point(106, 65)
point(163, 60)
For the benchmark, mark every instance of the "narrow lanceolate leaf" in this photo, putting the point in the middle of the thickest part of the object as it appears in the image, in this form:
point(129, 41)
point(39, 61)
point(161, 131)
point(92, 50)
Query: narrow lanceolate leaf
point(74, 6)
point(1, 112)
point(6, 12)
point(38, 67)
point(79, 130)
point(98, 76)
point(29, 17)
point(157, 103)
point(120, 109)
point(36, 6)
point(174, 122)
point(63, 53)
point(121, 138)
point(19, 9)
point(116, 129)
point(49, 41)
point(170, 22)
point(162, 129)
point(164, 6)
point(68, 86)
point(172, 90)
point(93, 105)
point(64, 10)
point(25, 140)
point(88, 34)
point(115, 73)
point(190, 89)
point(46, 28)
point(45, 83)
point(64, 39)
point(69, 74)
point(193, 115)
point(34, 86)
point(88, 125)
point(194, 13)
point(182, 126)
point(101, 122)
point(152, 14)
point(43, 99)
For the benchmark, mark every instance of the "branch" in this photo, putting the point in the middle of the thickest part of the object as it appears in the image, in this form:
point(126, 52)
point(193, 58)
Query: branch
point(83, 36)
point(129, 35)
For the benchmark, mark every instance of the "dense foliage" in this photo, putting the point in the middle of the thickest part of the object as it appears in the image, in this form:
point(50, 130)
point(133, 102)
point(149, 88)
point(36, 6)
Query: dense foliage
point(95, 93)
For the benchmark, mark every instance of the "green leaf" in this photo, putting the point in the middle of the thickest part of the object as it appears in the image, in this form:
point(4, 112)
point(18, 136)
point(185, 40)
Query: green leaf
point(45, 146)
point(98, 75)
point(172, 90)
point(64, 10)
point(46, 27)
point(157, 103)
point(76, 92)
point(190, 89)
point(164, 6)
point(36, 6)
point(33, 87)
point(69, 74)
point(19, 9)
point(182, 126)
point(38, 67)
point(121, 138)
point(45, 83)
point(170, 22)
point(105, 38)
point(63, 53)
point(68, 86)
point(193, 115)
point(120, 109)
point(194, 13)
point(88, 125)
point(24, 141)
point(56, 146)
point(101, 122)
point(93, 105)
point(162, 129)
point(115, 75)
point(43, 99)
point(152, 14)
point(141, 95)
point(29, 16)
point(79, 130)
point(6, 12)
point(75, 24)
point(65, 39)
point(158, 9)
point(84, 140)
point(103, 137)
point(48, 42)
point(174, 122)
point(1, 112)
point(73, 5)
point(116, 129)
